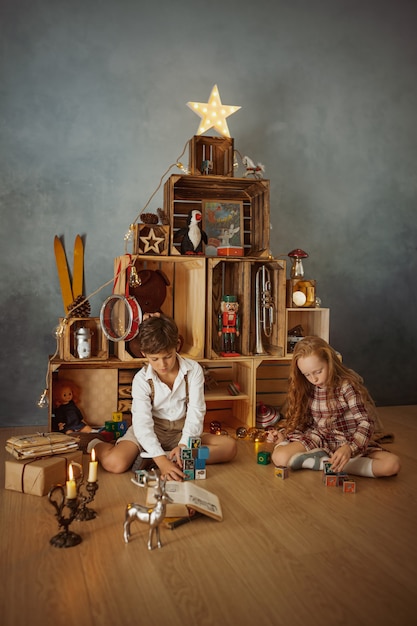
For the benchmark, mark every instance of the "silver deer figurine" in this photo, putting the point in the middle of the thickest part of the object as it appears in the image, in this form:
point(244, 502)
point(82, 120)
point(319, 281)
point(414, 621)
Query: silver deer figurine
point(149, 515)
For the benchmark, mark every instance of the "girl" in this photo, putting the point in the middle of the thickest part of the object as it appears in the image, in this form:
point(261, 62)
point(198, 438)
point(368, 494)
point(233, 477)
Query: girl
point(327, 417)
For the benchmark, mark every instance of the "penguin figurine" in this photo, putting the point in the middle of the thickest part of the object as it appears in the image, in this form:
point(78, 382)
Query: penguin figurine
point(193, 236)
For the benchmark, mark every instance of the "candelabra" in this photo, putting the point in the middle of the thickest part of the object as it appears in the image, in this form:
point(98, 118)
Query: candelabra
point(71, 505)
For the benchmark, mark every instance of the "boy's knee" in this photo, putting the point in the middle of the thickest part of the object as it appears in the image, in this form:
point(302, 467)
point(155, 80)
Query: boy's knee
point(114, 465)
point(231, 448)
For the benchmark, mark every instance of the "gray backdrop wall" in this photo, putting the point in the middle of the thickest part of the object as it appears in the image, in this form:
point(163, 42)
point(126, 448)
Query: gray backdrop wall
point(93, 110)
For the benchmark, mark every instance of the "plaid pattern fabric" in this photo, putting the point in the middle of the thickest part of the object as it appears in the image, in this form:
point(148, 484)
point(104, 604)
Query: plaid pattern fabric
point(347, 422)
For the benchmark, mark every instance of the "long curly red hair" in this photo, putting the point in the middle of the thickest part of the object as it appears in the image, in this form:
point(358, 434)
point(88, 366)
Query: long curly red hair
point(301, 390)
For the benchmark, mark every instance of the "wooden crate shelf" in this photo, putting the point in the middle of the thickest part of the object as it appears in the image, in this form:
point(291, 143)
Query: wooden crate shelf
point(184, 297)
point(237, 277)
point(182, 194)
point(218, 150)
point(67, 344)
point(313, 322)
point(272, 382)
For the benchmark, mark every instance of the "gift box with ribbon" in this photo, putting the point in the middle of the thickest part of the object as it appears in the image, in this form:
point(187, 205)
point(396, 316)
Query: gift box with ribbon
point(37, 476)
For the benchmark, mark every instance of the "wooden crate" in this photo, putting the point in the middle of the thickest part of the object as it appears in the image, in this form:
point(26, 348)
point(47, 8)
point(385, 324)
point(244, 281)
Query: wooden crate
point(182, 194)
point(313, 322)
point(67, 344)
point(185, 298)
point(272, 382)
point(231, 411)
point(218, 150)
point(124, 403)
point(238, 277)
point(151, 239)
point(98, 389)
point(307, 287)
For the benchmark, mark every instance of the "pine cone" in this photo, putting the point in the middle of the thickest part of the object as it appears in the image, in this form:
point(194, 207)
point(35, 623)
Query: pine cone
point(83, 310)
point(149, 218)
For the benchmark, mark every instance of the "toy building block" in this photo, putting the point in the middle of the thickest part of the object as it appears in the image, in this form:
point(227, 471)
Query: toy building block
point(281, 471)
point(194, 459)
point(327, 468)
point(330, 480)
point(194, 442)
point(199, 463)
point(264, 457)
point(341, 477)
point(349, 486)
point(186, 453)
point(117, 428)
point(203, 452)
point(117, 416)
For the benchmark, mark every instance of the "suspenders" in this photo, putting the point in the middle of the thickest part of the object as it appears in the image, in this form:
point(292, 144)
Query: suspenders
point(151, 385)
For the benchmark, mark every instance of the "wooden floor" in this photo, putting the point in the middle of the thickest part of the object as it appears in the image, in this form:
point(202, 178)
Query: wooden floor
point(288, 552)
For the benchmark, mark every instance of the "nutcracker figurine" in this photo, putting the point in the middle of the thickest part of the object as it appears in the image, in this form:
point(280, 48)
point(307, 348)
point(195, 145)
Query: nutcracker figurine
point(229, 325)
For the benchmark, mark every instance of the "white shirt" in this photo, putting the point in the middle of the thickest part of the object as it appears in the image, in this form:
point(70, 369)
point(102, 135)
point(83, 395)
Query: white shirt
point(169, 404)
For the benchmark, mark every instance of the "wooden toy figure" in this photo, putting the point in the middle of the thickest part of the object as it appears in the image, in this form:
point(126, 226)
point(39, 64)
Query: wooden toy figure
point(67, 417)
point(193, 237)
point(229, 325)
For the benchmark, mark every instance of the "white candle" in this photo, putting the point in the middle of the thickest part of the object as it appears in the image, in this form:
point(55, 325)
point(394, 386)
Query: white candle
point(92, 468)
point(71, 485)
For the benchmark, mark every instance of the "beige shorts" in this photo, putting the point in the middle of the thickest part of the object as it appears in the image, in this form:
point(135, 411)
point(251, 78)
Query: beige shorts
point(168, 433)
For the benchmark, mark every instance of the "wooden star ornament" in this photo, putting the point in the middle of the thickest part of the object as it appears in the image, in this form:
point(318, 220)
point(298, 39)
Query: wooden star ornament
point(213, 113)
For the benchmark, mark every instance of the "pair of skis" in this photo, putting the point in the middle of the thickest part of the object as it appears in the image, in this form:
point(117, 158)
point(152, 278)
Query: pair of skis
point(70, 290)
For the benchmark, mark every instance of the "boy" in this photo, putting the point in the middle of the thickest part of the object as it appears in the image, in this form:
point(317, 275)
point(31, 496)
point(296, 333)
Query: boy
point(168, 407)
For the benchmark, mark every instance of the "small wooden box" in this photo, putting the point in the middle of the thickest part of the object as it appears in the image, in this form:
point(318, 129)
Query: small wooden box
point(238, 277)
point(182, 194)
point(217, 150)
point(151, 239)
point(67, 343)
point(305, 287)
point(272, 382)
point(313, 322)
point(185, 295)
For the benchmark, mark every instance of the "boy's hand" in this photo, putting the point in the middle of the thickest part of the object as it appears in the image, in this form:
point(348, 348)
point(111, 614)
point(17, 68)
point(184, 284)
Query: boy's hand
point(169, 469)
point(174, 455)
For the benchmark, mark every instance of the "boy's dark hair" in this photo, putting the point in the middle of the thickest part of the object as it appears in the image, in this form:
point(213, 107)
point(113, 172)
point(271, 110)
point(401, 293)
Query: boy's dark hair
point(157, 334)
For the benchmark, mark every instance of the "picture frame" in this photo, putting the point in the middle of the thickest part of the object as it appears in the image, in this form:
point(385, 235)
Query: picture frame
point(223, 225)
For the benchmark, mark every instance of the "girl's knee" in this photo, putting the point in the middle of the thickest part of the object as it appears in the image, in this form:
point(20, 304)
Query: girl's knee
point(279, 455)
point(393, 465)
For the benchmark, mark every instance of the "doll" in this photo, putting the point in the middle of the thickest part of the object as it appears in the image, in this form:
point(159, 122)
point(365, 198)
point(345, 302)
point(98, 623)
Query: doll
point(67, 417)
point(229, 324)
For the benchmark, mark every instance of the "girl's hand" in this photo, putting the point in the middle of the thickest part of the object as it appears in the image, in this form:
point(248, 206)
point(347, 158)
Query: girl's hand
point(274, 436)
point(340, 457)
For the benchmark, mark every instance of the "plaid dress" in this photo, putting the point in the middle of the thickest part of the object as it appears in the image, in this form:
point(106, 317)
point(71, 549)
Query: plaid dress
point(348, 422)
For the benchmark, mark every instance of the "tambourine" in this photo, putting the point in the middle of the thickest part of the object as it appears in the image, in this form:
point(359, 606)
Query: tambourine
point(120, 317)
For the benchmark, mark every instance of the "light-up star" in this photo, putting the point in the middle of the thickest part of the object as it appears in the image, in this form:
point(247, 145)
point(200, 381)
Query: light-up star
point(213, 113)
point(151, 242)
